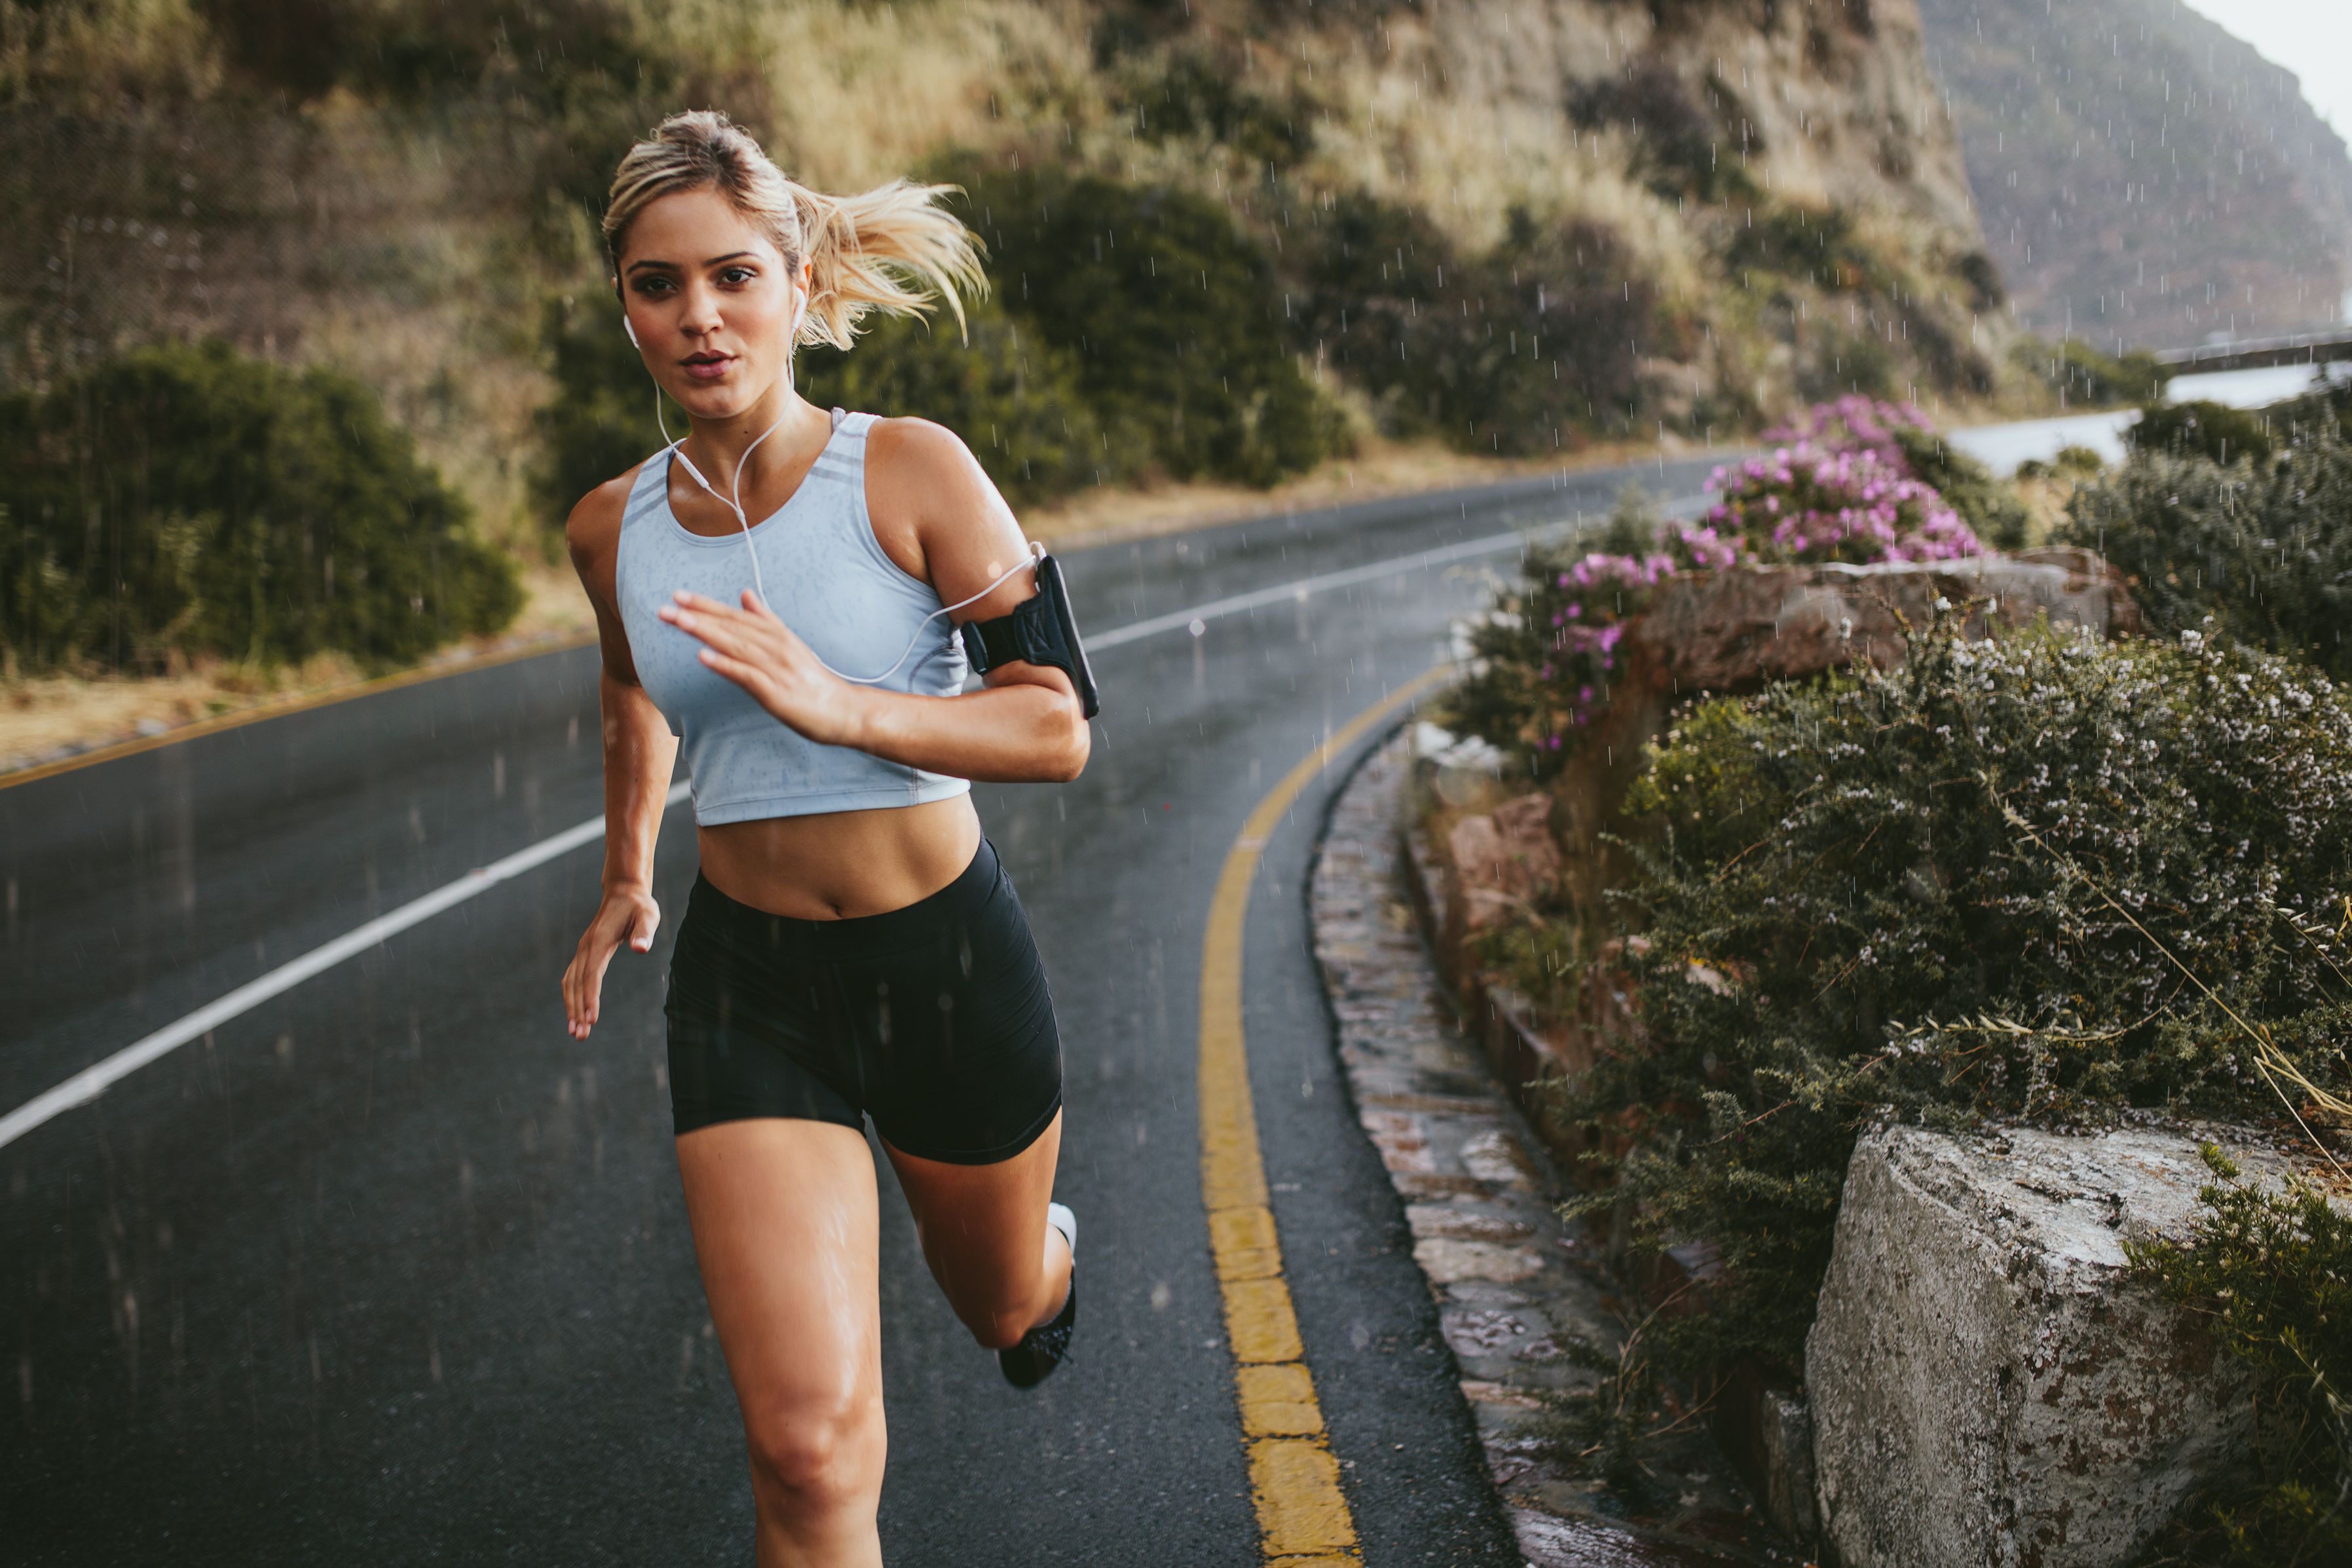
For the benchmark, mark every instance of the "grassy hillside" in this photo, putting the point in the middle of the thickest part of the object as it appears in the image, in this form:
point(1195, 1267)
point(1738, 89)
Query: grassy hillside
point(1510, 229)
point(2144, 177)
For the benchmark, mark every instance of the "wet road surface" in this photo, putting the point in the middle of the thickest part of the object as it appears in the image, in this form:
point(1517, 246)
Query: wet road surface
point(389, 1268)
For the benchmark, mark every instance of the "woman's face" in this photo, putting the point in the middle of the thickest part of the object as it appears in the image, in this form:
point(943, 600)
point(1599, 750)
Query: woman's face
point(707, 293)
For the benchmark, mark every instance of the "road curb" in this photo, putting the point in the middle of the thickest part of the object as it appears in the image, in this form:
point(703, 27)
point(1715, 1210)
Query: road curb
point(1514, 1286)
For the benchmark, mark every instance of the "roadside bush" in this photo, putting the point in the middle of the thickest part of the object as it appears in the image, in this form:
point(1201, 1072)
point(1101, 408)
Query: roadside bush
point(1171, 317)
point(191, 500)
point(600, 423)
point(2270, 1273)
point(1972, 887)
point(2214, 431)
point(2264, 548)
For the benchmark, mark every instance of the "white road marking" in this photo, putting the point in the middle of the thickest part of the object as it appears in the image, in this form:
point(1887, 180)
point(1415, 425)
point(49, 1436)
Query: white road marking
point(95, 1079)
point(99, 1076)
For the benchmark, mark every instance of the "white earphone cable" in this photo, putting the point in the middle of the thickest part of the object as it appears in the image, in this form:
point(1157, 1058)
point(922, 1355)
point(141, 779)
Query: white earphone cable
point(676, 449)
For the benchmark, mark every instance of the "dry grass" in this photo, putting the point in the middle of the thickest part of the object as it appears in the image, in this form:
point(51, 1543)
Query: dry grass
point(45, 717)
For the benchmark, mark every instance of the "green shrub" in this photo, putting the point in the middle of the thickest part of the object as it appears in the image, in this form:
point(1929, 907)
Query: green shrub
point(2214, 431)
point(1967, 888)
point(2082, 374)
point(1818, 244)
point(1191, 93)
point(191, 500)
point(1515, 351)
point(1011, 393)
point(2270, 1273)
point(2263, 548)
point(1679, 147)
point(1170, 316)
point(600, 423)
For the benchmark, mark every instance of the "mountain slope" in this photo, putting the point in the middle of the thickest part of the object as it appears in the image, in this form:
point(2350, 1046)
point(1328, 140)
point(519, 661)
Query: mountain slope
point(1514, 227)
point(2144, 177)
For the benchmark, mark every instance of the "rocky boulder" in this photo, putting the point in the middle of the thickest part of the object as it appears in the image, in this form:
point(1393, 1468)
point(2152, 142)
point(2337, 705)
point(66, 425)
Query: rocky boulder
point(1503, 860)
point(1989, 1385)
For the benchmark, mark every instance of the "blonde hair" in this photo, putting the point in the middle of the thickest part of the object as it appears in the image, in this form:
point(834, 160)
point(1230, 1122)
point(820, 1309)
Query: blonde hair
point(893, 248)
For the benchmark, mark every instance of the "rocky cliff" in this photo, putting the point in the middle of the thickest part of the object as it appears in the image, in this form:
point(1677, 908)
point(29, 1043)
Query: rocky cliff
point(1632, 219)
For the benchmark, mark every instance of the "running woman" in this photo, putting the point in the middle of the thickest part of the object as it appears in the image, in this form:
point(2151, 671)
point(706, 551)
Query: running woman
point(851, 947)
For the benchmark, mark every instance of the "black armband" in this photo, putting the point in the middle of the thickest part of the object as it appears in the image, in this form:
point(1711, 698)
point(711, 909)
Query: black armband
point(1040, 630)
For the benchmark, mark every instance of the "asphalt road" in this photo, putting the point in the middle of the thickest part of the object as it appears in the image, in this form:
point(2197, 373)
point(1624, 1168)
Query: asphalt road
point(389, 1270)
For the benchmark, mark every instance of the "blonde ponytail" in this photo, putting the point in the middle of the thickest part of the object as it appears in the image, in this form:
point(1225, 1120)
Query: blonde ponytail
point(893, 248)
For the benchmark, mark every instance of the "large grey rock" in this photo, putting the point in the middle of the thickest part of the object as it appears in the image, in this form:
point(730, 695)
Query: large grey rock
point(1989, 1385)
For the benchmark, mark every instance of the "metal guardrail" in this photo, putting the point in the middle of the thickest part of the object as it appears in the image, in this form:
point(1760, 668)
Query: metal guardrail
point(2261, 353)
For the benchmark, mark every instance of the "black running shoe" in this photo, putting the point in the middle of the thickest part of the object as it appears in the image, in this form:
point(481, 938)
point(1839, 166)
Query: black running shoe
point(1047, 1345)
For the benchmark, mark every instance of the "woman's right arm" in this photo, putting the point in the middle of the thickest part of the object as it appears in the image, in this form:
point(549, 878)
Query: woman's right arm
point(639, 753)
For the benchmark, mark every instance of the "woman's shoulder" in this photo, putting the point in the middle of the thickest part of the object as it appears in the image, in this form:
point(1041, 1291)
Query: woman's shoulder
point(916, 468)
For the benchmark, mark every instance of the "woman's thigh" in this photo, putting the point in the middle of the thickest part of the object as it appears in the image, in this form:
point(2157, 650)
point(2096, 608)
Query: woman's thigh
point(983, 1226)
point(783, 1211)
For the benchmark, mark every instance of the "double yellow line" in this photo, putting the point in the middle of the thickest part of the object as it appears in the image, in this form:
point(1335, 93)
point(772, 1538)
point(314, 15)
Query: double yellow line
point(1302, 1512)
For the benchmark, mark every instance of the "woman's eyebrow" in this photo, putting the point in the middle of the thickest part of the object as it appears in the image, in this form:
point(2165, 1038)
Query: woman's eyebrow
point(672, 266)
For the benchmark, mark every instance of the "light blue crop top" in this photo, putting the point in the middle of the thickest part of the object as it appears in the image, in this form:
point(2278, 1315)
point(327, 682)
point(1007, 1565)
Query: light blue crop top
point(828, 580)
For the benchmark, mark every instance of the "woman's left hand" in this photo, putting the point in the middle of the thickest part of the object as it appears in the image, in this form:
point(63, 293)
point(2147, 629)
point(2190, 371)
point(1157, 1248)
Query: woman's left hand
point(767, 658)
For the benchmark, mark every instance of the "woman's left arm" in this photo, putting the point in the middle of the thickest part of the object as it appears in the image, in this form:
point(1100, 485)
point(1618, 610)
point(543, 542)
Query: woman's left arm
point(938, 514)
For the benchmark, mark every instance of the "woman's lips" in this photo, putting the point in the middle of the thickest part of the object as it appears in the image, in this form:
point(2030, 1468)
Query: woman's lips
point(709, 369)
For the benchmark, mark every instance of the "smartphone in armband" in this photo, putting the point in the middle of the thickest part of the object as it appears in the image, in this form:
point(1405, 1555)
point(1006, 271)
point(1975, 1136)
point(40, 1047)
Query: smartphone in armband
point(1040, 630)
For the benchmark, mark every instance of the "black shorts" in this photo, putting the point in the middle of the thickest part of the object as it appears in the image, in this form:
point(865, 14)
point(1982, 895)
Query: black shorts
point(933, 1019)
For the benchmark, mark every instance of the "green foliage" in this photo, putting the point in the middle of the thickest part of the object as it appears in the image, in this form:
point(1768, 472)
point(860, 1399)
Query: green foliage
point(2271, 1275)
point(2264, 548)
point(1191, 93)
point(1967, 888)
point(191, 500)
point(1170, 316)
point(2214, 431)
point(600, 423)
point(1508, 353)
point(1546, 660)
point(1988, 506)
point(1818, 244)
point(2082, 376)
point(1014, 396)
point(1680, 147)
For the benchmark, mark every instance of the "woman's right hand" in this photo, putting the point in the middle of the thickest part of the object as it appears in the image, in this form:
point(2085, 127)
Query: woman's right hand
point(627, 914)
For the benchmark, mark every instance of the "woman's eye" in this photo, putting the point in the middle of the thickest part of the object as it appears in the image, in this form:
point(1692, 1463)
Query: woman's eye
point(738, 274)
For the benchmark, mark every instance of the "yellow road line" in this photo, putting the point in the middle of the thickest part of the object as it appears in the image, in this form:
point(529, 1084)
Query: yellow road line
point(254, 715)
point(1302, 1513)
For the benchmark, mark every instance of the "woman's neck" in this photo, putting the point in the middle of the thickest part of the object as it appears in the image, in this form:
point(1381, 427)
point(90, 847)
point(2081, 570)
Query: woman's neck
point(769, 431)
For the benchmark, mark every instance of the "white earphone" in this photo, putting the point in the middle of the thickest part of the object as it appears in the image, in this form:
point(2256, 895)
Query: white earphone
point(735, 505)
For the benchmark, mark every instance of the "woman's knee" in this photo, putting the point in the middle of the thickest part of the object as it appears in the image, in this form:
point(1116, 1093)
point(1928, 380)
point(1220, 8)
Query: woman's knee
point(818, 1455)
point(997, 1326)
